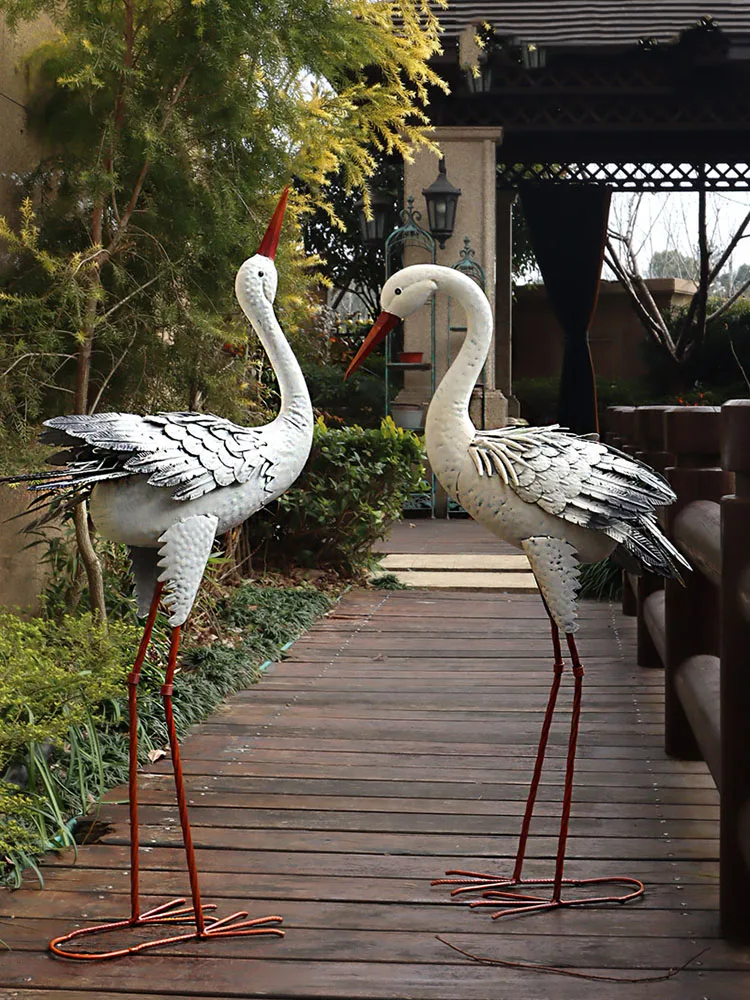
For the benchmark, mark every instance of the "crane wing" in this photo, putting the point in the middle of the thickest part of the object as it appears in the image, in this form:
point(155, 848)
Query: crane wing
point(581, 481)
point(192, 452)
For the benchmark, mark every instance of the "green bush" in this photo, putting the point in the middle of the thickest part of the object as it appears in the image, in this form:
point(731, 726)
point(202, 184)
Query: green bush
point(714, 367)
point(353, 488)
point(538, 397)
point(59, 683)
point(361, 399)
point(63, 705)
point(51, 673)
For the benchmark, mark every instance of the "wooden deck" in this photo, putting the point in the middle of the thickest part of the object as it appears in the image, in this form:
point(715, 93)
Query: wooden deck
point(395, 741)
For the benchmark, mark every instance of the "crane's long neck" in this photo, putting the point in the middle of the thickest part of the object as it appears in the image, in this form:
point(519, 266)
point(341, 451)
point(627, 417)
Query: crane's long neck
point(296, 408)
point(448, 428)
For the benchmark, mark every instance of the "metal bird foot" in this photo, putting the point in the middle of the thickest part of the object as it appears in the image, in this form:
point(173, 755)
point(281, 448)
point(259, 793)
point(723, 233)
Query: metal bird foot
point(175, 913)
point(497, 890)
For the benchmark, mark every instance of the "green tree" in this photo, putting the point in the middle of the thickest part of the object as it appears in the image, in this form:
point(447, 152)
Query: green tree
point(173, 126)
point(729, 281)
point(673, 264)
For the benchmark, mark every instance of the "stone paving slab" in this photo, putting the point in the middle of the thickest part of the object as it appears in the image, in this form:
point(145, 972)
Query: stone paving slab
point(458, 561)
point(468, 580)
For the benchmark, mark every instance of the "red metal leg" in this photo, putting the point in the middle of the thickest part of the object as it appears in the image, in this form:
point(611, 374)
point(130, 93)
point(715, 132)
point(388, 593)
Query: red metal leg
point(175, 912)
point(505, 892)
point(133, 679)
point(470, 881)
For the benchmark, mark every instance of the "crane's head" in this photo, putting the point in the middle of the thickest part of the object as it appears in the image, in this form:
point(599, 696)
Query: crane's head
point(404, 292)
point(257, 276)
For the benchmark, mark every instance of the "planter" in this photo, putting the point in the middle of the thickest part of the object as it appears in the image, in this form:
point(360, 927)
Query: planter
point(410, 416)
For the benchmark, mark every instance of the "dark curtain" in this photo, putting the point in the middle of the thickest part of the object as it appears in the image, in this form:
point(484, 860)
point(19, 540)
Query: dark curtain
point(568, 231)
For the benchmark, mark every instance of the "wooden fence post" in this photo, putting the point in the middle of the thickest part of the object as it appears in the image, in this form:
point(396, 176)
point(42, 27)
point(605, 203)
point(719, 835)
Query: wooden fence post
point(619, 425)
point(735, 676)
point(649, 447)
point(620, 435)
point(691, 614)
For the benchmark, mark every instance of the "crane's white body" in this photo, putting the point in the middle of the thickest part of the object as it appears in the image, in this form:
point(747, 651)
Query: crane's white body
point(166, 485)
point(562, 498)
point(133, 511)
point(449, 434)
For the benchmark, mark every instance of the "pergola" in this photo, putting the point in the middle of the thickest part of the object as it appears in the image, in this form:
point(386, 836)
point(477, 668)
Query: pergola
point(584, 97)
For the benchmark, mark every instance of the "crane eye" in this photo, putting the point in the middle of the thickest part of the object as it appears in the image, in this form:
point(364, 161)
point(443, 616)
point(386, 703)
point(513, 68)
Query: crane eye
point(260, 274)
point(396, 291)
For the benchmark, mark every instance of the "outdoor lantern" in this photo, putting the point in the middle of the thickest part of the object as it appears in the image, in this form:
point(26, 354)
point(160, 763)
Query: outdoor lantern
point(479, 78)
point(441, 198)
point(532, 56)
point(374, 229)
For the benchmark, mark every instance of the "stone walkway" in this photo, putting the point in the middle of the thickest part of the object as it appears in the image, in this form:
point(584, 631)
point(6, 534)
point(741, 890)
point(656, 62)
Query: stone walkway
point(462, 556)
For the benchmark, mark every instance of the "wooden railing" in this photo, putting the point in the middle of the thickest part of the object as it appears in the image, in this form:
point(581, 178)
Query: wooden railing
point(700, 632)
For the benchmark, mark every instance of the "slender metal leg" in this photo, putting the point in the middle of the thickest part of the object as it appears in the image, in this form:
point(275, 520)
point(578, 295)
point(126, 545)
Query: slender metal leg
point(174, 912)
point(570, 765)
point(470, 881)
point(514, 903)
point(510, 893)
point(536, 778)
point(133, 679)
point(187, 837)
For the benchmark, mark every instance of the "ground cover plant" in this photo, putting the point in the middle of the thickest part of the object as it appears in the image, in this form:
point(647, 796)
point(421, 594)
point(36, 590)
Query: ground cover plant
point(63, 704)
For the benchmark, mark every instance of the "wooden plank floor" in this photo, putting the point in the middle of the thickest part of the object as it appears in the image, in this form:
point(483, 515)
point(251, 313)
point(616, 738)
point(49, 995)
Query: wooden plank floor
point(395, 741)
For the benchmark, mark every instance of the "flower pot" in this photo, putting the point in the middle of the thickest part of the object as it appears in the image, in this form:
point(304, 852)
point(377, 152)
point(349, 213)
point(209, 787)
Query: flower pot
point(410, 357)
point(408, 415)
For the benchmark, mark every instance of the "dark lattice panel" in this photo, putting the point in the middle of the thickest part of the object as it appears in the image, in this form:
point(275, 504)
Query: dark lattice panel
point(631, 176)
point(593, 22)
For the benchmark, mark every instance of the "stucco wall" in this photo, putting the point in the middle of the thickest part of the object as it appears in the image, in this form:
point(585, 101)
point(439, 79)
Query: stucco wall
point(22, 572)
point(19, 149)
point(616, 332)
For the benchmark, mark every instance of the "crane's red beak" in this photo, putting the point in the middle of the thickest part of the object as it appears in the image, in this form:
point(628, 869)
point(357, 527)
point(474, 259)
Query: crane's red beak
point(270, 242)
point(383, 325)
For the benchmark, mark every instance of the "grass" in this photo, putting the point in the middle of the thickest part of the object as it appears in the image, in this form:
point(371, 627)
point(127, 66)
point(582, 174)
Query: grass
point(67, 779)
point(388, 581)
point(601, 581)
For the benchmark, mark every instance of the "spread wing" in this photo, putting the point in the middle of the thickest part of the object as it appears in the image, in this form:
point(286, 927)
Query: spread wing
point(581, 481)
point(192, 452)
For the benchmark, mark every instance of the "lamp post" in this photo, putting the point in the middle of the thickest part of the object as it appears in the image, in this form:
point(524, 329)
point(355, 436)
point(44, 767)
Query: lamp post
point(442, 198)
point(374, 229)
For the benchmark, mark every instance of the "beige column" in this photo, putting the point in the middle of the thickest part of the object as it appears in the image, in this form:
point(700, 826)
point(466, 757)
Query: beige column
point(470, 161)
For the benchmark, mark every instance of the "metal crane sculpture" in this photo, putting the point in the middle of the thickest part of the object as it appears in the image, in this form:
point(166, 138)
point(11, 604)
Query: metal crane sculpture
point(564, 500)
point(166, 486)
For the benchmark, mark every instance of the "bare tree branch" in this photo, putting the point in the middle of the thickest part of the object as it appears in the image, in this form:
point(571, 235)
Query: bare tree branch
point(729, 302)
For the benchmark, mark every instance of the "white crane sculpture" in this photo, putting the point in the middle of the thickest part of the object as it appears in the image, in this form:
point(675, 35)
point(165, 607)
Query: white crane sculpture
point(166, 486)
point(563, 499)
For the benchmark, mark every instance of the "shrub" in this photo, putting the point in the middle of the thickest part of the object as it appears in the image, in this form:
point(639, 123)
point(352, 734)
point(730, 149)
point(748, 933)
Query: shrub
point(715, 365)
point(353, 488)
point(51, 673)
point(63, 714)
point(58, 682)
point(360, 399)
point(538, 397)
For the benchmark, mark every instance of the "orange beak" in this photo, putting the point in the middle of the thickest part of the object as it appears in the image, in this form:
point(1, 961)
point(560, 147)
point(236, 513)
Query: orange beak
point(270, 242)
point(383, 325)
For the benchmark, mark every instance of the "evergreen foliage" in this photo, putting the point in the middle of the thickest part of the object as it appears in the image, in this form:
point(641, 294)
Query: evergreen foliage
point(172, 127)
point(351, 491)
